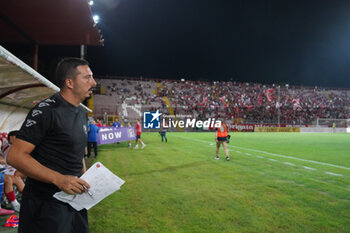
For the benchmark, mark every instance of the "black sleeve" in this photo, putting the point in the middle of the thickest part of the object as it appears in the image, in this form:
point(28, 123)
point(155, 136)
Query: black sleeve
point(36, 124)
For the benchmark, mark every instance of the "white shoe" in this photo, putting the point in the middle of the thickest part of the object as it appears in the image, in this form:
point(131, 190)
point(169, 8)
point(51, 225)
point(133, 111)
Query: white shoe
point(136, 147)
point(16, 207)
point(216, 158)
point(143, 146)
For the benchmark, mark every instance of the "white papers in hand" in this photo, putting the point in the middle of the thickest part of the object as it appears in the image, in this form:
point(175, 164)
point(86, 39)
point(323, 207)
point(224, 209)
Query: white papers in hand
point(102, 183)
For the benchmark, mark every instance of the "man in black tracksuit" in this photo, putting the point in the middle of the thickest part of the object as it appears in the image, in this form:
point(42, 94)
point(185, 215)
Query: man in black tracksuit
point(49, 149)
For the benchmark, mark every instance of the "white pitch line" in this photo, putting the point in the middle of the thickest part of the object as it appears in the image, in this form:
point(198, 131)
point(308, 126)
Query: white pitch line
point(260, 157)
point(309, 168)
point(333, 174)
point(248, 154)
point(239, 152)
point(273, 154)
point(290, 164)
point(274, 160)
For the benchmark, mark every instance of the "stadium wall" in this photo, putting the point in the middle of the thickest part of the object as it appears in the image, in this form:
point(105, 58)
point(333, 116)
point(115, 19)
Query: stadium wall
point(323, 130)
point(277, 129)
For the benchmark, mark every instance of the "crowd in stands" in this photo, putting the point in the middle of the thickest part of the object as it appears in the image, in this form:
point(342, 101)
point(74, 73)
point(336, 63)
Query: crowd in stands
point(135, 92)
point(250, 102)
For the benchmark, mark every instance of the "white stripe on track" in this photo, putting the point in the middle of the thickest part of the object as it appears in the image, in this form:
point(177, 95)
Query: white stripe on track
point(273, 154)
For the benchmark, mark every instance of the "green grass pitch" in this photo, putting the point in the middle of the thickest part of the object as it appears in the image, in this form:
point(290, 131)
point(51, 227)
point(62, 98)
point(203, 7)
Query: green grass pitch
point(274, 182)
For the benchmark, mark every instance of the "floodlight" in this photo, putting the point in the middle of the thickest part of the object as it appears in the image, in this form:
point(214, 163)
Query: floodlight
point(96, 18)
point(91, 3)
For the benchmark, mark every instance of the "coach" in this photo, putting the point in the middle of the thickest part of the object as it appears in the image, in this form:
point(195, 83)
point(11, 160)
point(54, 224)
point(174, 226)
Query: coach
point(49, 149)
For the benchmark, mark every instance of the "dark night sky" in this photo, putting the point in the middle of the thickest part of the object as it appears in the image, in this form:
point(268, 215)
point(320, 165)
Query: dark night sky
point(266, 41)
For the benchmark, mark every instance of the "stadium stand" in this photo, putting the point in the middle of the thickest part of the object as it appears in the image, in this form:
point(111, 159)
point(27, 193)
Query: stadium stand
point(249, 103)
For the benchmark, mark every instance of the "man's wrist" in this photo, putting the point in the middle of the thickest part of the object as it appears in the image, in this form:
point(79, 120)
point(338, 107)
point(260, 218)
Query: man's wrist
point(55, 178)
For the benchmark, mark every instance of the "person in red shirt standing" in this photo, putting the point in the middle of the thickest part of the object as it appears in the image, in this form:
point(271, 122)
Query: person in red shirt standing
point(138, 135)
point(221, 135)
point(99, 123)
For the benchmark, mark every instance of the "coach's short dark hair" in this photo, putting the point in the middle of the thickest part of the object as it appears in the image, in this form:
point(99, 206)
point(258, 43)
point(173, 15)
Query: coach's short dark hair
point(67, 68)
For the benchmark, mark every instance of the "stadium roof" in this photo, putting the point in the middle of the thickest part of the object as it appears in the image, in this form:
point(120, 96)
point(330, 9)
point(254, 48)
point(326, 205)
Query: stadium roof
point(20, 85)
point(48, 22)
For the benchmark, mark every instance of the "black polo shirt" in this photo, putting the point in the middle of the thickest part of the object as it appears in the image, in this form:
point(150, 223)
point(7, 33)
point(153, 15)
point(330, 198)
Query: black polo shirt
point(58, 130)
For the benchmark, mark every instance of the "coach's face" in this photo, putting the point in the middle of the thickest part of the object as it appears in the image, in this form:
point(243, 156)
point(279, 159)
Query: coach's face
point(83, 82)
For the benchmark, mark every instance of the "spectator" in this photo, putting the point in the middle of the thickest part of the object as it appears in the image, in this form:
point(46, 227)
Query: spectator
point(99, 123)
